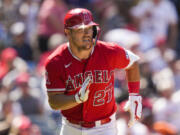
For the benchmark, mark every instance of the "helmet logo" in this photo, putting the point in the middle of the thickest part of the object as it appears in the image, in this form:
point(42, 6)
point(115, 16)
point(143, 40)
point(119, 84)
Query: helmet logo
point(86, 18)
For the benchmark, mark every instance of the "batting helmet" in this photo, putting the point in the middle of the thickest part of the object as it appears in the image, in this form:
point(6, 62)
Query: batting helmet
point(80, 18)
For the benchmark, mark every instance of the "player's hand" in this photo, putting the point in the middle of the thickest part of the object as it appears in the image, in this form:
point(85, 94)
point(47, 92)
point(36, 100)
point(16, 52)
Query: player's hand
point(83, 93)
point(134, 106)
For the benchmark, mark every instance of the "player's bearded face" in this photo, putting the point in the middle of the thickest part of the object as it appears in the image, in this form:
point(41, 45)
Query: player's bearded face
point(82, 38)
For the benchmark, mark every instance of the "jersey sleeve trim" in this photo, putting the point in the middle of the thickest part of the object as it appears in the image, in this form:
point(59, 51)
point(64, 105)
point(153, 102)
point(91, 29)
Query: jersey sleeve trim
point(133, 58)
point(56, 90)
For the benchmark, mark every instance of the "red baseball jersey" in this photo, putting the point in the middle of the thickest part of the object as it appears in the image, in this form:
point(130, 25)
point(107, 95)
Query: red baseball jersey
point(66, 73)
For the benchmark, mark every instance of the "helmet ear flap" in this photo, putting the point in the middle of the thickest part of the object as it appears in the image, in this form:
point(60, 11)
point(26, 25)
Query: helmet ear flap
point(94, 31)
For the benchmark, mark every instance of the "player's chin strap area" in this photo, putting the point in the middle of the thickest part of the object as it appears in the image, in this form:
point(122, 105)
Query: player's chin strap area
point(98, 32)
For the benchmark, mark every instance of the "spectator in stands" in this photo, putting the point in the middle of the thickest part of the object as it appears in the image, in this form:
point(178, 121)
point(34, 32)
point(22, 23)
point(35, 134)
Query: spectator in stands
point(166, 108)
point(9, 12)
point(9, 110)
point(153, 22)
point(78, 3)
point(51, 18)
point(4, 128)
point(177, 5)
point(22, 125)
point(29, 11)
point(7, 57)
point(20, 44)
point(30, 104)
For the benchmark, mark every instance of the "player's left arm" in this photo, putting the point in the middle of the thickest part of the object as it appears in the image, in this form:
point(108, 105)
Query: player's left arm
point(134, 104)
point(132, 73)
point(125, 59)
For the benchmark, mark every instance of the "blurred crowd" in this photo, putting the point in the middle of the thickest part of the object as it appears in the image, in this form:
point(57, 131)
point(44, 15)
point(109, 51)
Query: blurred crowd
point(31, 29)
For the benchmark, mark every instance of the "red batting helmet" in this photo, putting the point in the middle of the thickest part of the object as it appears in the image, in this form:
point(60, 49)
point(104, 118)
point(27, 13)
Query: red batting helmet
point(79, 18)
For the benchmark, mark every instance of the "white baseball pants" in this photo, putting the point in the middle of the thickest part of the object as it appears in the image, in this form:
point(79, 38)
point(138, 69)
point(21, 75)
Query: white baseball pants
point(73, 129)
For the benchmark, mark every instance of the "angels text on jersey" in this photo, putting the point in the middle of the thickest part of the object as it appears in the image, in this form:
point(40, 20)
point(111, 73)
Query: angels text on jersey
point(101, 97)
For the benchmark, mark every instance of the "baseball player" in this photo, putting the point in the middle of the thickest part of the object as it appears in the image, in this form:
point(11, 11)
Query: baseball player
point(80, 78)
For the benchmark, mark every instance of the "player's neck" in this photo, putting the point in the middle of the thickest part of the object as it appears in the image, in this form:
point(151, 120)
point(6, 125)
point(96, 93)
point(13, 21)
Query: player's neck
point(80, 54)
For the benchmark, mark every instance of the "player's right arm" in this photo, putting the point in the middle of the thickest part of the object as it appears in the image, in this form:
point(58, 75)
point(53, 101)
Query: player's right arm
point(63, 102)
point(59, 101)
point(56, 87)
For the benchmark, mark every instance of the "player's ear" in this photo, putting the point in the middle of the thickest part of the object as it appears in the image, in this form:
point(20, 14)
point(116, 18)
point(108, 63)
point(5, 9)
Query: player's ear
point(66, 31)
